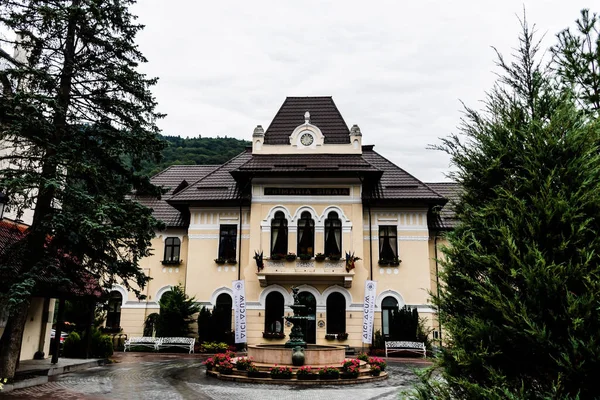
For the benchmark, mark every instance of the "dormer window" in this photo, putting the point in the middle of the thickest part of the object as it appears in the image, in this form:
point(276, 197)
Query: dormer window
point(172, 250)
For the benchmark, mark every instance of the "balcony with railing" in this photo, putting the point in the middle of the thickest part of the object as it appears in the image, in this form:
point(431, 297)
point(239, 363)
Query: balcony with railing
point(311, 271)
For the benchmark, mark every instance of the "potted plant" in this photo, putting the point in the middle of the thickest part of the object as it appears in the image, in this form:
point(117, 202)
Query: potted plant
point(378, 362)
point(209, 363)
point(395, 261)
point(375, 370)
point(243, 363)
point(342, 336)
point(290, 256)
point(330, 336)
point(225, 367)
point(363, 357)
point(350, 369)
point(254, 372)
point(231, 261)
point(281, 372)
point(305, 257)
point(220, 261)
point(335, 257)
point(277, 257)
point(320, 257)
point(384, 262)
point(329, 373)
point(306, 373)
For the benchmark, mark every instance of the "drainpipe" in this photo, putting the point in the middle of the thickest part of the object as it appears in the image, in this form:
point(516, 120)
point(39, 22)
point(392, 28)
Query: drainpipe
point(240, 242)
point(437, 281)
point(240, 235)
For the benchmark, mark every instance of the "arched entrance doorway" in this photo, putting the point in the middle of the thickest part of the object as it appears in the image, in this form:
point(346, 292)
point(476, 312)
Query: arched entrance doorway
point(310, 328)
point(222, 317)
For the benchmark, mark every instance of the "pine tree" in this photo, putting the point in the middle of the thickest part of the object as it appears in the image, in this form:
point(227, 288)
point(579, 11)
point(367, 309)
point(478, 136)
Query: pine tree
point(519, 302)
point(73, 108)
point(176, 314)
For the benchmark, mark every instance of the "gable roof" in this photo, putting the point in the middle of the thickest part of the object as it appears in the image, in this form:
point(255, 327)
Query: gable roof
point(450, 190)
point(218, 185)
point(171, 179)
point(396, 183)
point(323, 113)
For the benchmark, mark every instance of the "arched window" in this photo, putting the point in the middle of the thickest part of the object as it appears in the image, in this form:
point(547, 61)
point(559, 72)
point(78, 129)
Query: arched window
point(336, 313)
point(333, 235)
point(222, 317)
point(388, 306)
point(279, 234)
point(306, 235)
point(113, 314)
point(172, 250)
point(274, 313)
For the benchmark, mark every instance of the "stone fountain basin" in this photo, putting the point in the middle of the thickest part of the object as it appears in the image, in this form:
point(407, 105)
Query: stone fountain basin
point(313, 355)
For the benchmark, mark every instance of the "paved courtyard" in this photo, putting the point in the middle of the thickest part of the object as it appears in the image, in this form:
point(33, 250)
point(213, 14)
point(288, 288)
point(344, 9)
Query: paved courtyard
point(177, 376)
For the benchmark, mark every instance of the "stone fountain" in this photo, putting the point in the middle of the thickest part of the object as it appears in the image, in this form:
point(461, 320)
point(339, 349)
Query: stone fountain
point(296, 335)
point(297, 352)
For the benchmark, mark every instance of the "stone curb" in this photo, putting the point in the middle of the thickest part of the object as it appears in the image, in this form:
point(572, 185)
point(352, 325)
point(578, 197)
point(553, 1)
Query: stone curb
point(324, 382)
point(52, 371)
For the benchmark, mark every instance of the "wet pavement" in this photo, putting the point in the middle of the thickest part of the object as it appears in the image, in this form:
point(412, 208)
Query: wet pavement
point(179, 376)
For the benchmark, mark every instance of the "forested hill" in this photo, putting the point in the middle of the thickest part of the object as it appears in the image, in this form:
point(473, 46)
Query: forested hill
point(200, 151)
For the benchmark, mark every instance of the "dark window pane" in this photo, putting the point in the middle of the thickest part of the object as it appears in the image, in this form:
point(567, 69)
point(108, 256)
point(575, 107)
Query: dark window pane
point(279, 234)
point(388, 243)
point(172, 249)
point(306, 234)
point(333, 235)
point(228, 242)
point(274, 312)
point(336, 313)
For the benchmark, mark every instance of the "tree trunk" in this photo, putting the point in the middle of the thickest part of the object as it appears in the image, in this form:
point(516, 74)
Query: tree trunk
point(10, 344)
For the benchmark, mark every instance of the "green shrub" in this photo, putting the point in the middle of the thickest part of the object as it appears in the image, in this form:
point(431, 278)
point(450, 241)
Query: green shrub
point(102, 346)
point(150, 324)
point(72, 346)
point(214, 347)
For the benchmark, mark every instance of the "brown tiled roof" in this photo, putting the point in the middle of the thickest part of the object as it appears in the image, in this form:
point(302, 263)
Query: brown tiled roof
point(323, 113)
point(396, 183)
point(307, 163)
point(218, 185)
point(450, 190)
point(170, 179)
point(83, 283)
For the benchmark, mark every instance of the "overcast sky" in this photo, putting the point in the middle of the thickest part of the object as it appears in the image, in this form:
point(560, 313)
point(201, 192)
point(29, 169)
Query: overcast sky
point(398, 69)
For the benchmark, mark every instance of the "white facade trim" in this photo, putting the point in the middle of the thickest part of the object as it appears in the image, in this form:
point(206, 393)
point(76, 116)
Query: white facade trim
point(150, 305)
point(314, 291)
point(195, 236)
point(288, 299)
point(305, 199)
point(162, 291)
point(392, 293)
point(124, 293)
point(219, 291)
point(338, 289)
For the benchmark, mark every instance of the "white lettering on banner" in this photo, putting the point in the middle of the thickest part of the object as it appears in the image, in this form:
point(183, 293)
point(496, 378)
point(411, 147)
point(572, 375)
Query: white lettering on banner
point(369, 311)
point(239, 306)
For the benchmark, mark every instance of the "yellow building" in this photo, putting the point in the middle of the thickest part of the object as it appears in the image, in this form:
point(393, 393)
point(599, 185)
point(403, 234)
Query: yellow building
point(307, 186)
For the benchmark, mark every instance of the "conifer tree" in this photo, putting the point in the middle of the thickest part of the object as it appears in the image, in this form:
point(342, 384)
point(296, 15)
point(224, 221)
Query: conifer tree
point(176, 313)
point(521, 279)
point(73, 108)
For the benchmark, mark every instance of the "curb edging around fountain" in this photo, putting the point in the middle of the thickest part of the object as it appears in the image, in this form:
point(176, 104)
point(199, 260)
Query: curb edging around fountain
point(317, 382)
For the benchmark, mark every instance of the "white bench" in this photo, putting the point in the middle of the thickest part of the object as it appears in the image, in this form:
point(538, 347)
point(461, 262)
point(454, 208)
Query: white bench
point(412, 347)
point(183, 342)
point(145, 341)
point(156, 343)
